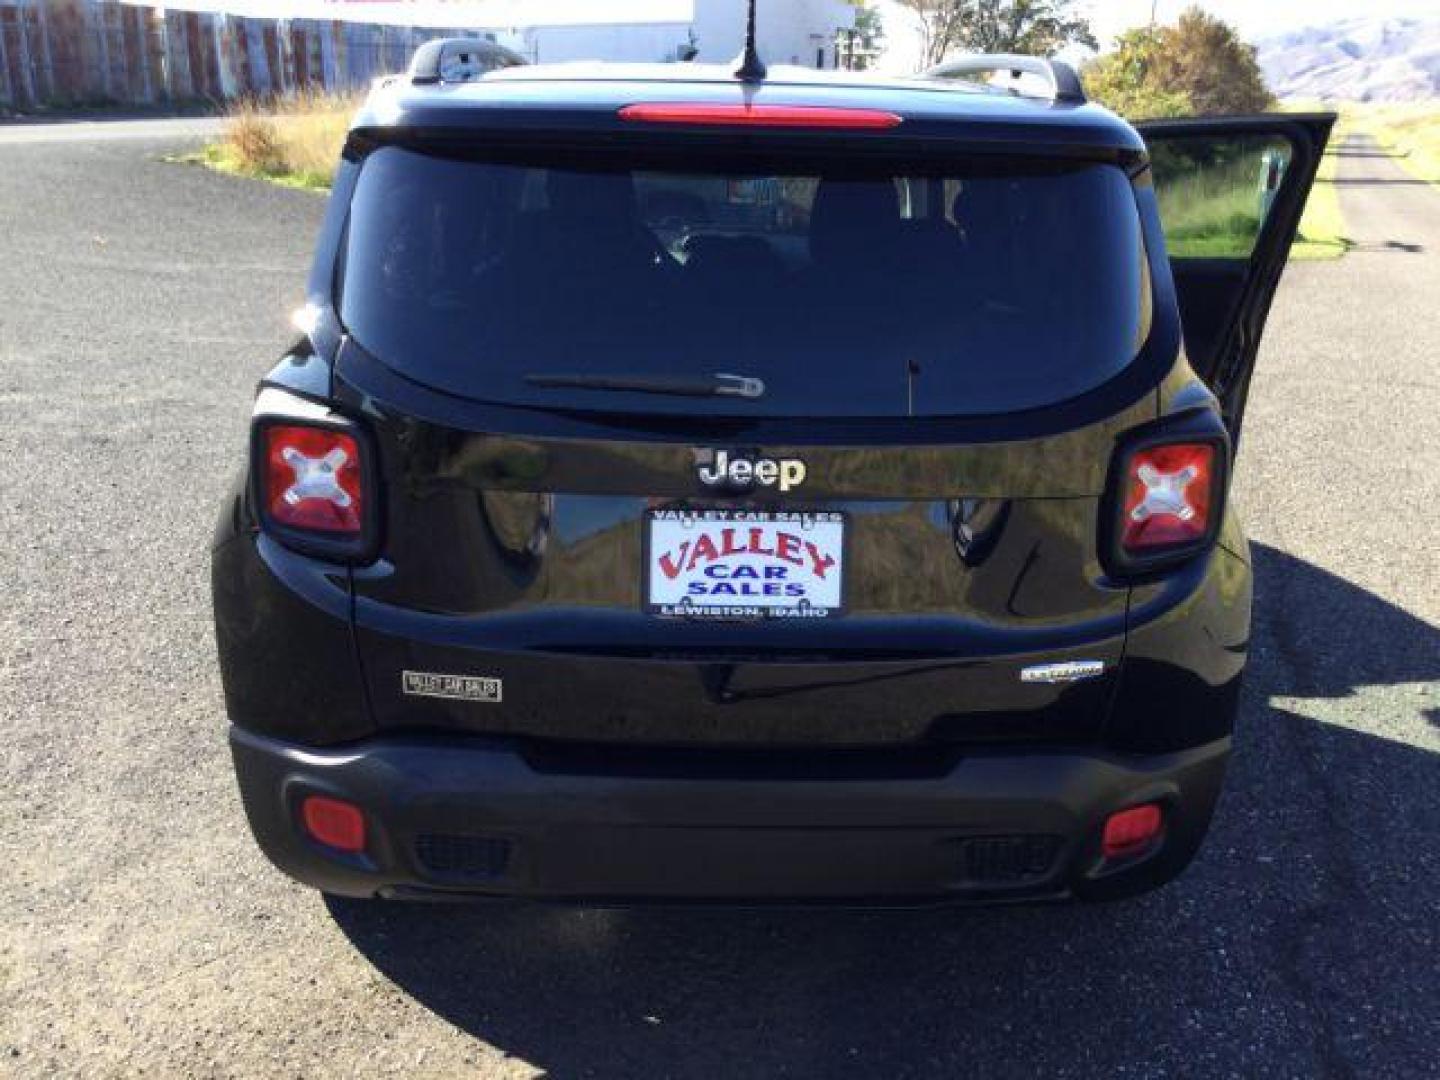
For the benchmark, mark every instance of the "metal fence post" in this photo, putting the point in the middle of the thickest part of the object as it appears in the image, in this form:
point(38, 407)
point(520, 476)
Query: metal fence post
point(7, 92)
point(47, 56)
point(95, 23)
point(27, 68)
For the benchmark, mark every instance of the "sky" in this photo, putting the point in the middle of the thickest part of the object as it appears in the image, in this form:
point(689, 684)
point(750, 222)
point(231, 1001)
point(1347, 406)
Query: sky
point(1253, 18)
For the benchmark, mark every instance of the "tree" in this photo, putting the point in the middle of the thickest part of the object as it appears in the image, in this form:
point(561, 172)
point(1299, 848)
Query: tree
point(1204, 59)
point(869, 28)
point(1038, 27)
point(1129, 79)
point(1198, 67)
point(862, 44)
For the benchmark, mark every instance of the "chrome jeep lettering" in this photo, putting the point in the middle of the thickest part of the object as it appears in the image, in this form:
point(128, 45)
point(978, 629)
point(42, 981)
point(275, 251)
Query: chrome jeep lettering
point(727, 470)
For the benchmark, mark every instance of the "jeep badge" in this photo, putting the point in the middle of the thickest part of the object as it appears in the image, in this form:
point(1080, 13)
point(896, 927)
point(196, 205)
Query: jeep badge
point(746, 472)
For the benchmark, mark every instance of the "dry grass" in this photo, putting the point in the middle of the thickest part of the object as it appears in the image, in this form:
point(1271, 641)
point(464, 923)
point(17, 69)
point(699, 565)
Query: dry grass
point(1322, 227)
point(1410, 132)
point(294, 141)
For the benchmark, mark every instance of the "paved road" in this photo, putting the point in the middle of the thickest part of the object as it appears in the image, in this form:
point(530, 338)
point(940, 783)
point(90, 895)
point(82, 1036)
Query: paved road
point(93, 131)
point(140, 930)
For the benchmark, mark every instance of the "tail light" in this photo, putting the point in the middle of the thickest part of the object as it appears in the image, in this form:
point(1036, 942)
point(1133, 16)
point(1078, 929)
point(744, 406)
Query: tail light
point(313, 483)
point(312, 479)
point(1167, 495)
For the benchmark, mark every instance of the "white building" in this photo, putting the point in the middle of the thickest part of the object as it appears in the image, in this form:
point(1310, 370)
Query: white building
point(789, 31)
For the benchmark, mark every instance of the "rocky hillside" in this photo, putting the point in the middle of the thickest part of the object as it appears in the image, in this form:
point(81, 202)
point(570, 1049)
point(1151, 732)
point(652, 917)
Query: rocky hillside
point(1356, 60)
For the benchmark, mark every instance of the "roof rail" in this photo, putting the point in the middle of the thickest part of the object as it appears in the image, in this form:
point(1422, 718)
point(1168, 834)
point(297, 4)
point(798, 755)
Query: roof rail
point(458, 60)
point(1065, 84)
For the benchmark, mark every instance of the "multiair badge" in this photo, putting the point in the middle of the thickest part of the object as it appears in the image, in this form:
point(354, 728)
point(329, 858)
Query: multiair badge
point(1069, 671)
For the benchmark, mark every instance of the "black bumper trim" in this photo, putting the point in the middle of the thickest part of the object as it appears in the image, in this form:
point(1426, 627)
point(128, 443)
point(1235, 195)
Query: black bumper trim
point(618, 839)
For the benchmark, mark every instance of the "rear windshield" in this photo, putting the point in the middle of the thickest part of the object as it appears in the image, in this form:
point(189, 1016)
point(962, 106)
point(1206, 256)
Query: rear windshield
point(897, 290)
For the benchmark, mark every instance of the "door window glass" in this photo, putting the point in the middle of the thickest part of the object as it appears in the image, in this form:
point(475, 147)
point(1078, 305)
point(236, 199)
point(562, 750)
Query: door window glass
point(1215, 192)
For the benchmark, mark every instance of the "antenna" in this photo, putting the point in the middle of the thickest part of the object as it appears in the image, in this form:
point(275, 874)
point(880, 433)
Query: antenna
point(752, 68)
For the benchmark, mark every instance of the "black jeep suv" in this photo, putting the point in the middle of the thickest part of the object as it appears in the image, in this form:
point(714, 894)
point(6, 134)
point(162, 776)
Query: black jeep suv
point(699, 485)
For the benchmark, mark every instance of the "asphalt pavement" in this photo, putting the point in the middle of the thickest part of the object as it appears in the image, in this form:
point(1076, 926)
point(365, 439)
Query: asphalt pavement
point(90, 130)
point(142, 931)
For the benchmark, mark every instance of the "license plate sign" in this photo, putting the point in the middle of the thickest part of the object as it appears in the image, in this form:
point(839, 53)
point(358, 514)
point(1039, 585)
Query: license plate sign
point(744, 564)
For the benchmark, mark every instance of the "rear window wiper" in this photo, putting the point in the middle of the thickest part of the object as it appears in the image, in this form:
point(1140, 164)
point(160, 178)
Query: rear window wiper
point(721, 385)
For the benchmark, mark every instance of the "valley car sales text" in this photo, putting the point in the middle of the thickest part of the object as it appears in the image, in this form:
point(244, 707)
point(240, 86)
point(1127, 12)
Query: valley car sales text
point(735, 563)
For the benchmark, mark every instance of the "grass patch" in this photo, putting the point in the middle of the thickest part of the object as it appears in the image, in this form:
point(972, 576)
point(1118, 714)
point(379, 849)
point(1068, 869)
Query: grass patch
point(1322, 226)
point(294, 141)
point(1205, 217)
point(222, 158)
point(1212, 207)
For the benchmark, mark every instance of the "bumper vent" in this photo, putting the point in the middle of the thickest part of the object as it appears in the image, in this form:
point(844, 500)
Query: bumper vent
point(443, 855)
point(1009, 859)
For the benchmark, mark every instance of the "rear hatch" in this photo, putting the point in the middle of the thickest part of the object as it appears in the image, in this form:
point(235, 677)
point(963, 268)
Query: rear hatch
point(756, 445)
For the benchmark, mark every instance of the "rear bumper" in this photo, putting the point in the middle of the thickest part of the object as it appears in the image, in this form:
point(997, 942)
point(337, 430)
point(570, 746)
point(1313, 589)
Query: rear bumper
point(458, 817)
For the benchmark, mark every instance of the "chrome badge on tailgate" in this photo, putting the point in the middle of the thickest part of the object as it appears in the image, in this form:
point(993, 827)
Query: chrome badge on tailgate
point(453, 687)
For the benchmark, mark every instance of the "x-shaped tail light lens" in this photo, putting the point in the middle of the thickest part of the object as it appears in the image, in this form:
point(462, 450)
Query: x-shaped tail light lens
point(313, 479)
point(1169, 496)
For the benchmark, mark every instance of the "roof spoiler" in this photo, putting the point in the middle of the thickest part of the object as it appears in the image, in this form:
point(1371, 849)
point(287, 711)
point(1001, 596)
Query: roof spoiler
point(1064, 83)
point(459, 60)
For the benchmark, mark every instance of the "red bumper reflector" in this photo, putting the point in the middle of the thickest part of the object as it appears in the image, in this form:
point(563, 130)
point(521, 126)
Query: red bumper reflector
point(780, 116)
point(334, 823)
point(1130, 831)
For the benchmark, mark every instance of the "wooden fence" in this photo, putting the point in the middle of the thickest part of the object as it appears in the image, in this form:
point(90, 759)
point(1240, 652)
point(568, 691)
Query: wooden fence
point(57, 53)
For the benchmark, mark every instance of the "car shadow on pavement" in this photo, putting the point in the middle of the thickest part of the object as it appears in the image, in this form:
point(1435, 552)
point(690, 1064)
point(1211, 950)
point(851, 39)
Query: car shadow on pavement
point(1378, 181)
point(1306, 910)
point(1371, 247)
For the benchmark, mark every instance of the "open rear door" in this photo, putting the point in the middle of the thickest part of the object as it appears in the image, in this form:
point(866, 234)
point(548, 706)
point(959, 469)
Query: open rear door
point(1231, 191)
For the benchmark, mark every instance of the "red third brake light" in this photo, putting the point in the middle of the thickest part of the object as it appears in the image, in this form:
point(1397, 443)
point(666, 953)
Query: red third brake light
point(778, 116)
point(312, 479)
point(1169, 493)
